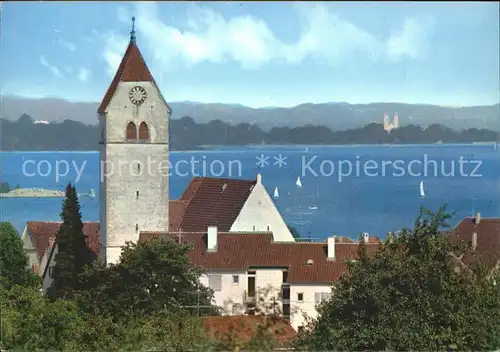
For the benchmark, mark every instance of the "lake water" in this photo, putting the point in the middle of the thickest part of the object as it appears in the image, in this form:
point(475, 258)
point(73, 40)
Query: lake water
point(380, 194)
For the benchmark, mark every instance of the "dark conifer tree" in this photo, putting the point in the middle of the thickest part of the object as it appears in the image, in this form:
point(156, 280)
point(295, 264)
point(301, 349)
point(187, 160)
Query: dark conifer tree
point(72, 254)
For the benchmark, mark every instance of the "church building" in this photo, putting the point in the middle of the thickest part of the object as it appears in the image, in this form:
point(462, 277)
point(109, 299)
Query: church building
point(133, 118)
point(134, 179)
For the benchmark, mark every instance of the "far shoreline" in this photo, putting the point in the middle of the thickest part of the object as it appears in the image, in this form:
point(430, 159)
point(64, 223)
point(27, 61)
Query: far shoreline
point(259, 146)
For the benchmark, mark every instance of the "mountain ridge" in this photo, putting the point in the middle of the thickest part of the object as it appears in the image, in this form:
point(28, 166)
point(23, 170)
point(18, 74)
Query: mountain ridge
point(334, 115)
point(186, 134)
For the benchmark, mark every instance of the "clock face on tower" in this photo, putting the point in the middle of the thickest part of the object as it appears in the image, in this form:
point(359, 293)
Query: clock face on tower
point(137, 95)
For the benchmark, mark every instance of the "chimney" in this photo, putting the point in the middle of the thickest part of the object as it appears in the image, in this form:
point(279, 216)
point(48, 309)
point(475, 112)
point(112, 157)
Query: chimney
point(331, 247)
point(474, 240)
point(366, 237)
point(259, 178)
point(477, 219)
point(52, 239)
point(390, 237)
point(212, 238)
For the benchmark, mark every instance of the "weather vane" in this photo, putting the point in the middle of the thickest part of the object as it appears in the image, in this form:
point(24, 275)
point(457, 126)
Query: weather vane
point(132, 32)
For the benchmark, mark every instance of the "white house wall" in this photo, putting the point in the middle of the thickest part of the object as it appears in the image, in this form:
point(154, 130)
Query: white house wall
point(268, 284)
point(47, 279)
point(29, 248)
point(260, 214)
point(231, 296)
point(308, 305)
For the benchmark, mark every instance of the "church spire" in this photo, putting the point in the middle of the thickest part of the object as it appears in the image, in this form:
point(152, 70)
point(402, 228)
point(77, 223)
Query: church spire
point(132, 32)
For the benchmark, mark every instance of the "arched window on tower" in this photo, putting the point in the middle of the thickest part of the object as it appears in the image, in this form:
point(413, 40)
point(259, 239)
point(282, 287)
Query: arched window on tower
point(143, 132)
point(131, 133)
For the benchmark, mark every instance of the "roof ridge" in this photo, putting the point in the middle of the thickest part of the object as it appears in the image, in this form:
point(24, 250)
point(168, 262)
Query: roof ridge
point(58, 222)
point(470, 217)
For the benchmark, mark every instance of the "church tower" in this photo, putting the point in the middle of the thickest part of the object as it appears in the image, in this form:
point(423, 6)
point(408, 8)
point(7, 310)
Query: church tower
point(133, 119)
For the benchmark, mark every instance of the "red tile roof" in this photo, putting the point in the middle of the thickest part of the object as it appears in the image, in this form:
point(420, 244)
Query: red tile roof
point(488, 239)
point(132, 68)
point(244, 327)
point(208, 204)
point(42, 232)
point(176, 209)
point(239, 251)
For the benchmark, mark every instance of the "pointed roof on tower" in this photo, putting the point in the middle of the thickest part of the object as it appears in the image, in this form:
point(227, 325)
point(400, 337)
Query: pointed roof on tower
point(133, 68)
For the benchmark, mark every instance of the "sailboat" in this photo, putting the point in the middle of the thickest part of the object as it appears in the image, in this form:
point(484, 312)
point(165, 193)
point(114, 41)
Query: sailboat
point(298, 183)
point(422, 193)
point(276, 193)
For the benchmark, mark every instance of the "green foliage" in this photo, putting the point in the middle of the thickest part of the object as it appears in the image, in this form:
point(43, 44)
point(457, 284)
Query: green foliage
point(13, 261)
point(73, 254)
point(173, 331)
point(264, 338)
point(151, 277)
point(30, 322)
point(5, 187)
point(408, 297)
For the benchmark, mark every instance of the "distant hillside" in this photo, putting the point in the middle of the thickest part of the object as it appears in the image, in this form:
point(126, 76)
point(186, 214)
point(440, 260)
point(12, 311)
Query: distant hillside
point(336, 116)
point(186, 134)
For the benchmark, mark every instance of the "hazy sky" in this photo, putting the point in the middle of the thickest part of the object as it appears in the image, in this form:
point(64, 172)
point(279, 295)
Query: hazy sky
point(259, 54)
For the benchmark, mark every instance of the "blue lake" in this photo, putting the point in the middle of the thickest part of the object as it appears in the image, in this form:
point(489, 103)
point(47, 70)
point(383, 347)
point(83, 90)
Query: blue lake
point(380, 193)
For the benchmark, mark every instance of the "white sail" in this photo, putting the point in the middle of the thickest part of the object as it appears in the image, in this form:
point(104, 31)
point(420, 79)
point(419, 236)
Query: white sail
point(422, 193)
point(276, 193)
point(298, 183)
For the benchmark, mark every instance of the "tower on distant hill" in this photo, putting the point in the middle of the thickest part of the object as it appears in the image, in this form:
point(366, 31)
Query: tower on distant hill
point(396, 121)
point(133, 118)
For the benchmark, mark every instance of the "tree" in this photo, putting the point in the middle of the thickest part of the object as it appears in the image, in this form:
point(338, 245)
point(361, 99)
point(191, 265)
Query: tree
point(166, 331)
point(73, 254)
point(409, 296)
point(151, 277)
point(13, 261)
point(30, 322)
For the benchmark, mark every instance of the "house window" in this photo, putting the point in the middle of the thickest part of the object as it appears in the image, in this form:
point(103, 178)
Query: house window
point(51, 270)
point(137, 227)
point(285, 276)
point(137, 194)
point(215, 282)
point(236, 279)
point(320, 297)
point(300, 297)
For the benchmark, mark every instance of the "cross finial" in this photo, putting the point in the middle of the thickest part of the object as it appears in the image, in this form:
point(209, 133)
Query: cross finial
point(132, 32)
